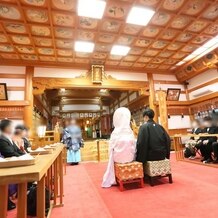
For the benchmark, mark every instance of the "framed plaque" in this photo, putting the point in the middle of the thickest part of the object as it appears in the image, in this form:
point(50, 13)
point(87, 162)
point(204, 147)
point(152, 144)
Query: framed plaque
point(97, 74)
point(173, 94)
point(3, 91)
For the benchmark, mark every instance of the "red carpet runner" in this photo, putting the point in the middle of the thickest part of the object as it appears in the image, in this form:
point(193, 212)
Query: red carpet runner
point(194, 194)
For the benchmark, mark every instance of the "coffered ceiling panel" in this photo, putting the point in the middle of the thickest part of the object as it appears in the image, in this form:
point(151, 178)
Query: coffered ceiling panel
point(44, 31)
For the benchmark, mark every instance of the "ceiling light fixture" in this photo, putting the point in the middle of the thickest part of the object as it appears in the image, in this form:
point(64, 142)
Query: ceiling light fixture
point(180, 63)
point(120, 50)
point(81, 46)
point(140, 16)
point(203, 50)
point(91, 8)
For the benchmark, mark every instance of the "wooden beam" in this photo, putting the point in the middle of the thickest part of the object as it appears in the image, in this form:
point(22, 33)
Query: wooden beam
point(12, 76)
point(79, 101)
point(191, 102)
point(80, 111)
point(163, 109)
point(15, 88)
point(152, 96)
point(28, 110)
point(78, 93)
point(66, 65)
point(14, 103)
point(112, 84)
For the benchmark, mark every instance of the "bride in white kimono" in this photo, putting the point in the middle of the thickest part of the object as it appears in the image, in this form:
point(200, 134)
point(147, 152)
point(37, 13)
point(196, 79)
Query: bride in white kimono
point(122, 145)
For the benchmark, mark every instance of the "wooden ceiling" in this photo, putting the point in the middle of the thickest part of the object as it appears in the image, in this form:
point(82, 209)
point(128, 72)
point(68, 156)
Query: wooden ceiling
point(43, 32)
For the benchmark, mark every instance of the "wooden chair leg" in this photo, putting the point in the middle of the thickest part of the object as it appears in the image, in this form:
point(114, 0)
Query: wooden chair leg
point(151, 181)
point(121, 186)
point(142, 183)
point(170, 178)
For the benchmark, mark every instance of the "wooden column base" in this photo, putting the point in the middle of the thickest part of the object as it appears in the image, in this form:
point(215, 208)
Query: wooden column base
point(3, 201)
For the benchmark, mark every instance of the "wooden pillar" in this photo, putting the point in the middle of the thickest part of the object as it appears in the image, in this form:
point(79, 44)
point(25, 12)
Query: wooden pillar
point(188, 99)
point(152, 96)
point(28, 110)
point(163, 109)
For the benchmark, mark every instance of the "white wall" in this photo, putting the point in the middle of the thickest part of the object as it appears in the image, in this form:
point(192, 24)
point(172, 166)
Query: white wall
point(177, 122)
point(205, 77)
point(13, 82)
point(164, 77)
point(128, 76)
point(168, 78)
point(12, 70)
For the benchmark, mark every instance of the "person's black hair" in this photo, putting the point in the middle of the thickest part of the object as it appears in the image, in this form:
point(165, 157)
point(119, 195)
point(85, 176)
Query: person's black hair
point(21, 127)
point(17, 131)
point(148, 112)
point(207, 118)
point(4, 124)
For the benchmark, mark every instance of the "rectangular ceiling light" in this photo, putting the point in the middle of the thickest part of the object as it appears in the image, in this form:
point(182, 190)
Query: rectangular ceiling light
point(120, 50)
point(189, 57)
point(91, 8)
point(81, 46)
point(140, 16)
point(180, 63)
point(211, 42)
point(199, 50)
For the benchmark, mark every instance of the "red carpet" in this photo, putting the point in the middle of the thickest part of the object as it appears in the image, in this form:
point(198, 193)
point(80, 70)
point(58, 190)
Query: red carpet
point(193, 194)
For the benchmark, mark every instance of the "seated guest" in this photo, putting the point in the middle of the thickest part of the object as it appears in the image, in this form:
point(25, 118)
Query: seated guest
point(122, 146)
point(190, 145)
point(7, 147)
point(215, 151)
point(205, 143)
point(21, 137)
point(153, 142)
point(17, 139)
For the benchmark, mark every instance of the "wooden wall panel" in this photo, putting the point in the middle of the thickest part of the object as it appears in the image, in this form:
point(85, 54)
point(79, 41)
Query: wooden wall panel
point(11, 113)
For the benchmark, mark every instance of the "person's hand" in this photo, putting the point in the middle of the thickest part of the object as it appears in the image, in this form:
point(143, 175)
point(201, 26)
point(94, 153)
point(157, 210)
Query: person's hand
point(205, 142)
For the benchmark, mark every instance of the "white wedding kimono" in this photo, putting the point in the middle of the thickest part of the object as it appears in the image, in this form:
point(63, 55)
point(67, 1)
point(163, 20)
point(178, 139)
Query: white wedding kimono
point(122, 145)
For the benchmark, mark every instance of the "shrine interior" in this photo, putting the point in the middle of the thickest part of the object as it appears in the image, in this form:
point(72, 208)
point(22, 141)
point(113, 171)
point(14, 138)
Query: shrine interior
point(67, 67)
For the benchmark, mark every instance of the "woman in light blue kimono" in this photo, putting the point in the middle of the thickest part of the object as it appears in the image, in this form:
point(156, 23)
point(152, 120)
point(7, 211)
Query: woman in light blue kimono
point(72, 137)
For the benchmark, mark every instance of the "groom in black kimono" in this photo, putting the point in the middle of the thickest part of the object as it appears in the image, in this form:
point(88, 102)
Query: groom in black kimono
point(153, 142)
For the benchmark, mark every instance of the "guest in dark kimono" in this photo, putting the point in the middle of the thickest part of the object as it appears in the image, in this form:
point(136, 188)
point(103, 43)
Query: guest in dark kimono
point(153, 142)
point(72, 137)
point(8, 149)
point(205, 143)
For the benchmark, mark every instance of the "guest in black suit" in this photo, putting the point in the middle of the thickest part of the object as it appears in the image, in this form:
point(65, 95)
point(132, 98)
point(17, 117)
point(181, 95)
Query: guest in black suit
point(205, 143)
point(8, 147)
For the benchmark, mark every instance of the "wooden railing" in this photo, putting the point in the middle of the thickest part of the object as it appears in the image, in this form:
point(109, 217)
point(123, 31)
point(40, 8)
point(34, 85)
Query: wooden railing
point(95, 151)
point(50, 137)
